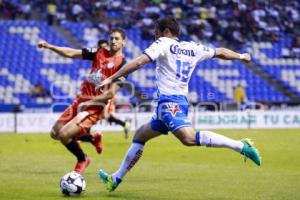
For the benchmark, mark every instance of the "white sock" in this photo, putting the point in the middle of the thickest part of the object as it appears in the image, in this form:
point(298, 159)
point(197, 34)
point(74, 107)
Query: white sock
point(134, 153)
point(211, 139)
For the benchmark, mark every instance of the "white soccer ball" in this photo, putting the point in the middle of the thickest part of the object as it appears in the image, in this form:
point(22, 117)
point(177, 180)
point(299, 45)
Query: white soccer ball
point(72, 184)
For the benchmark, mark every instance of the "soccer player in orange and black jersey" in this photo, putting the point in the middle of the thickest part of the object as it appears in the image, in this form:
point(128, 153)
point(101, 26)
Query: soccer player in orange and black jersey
point(88, 107)
point(109, 112)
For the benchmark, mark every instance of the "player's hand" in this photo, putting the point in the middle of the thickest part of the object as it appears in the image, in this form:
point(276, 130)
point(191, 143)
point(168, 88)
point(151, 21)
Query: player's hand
point(104, 84)
point(245, 57)
point(43, 44)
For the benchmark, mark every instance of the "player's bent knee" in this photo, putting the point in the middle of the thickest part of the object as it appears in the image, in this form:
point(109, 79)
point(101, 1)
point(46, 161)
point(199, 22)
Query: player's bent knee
point(54, 134)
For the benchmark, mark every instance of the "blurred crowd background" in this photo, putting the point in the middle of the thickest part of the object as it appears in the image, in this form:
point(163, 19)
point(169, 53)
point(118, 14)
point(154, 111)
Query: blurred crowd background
point(232, 21)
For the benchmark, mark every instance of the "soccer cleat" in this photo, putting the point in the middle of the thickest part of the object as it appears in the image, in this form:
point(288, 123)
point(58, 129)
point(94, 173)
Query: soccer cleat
point(107, 179)
point(82, 165)
point(126, 129)
point(97, 142)
point(250, 152)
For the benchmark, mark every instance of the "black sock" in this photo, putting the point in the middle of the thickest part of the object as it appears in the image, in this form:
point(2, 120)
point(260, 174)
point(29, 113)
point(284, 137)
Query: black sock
point(116, 120)
point(75, 149)
point(86, 138)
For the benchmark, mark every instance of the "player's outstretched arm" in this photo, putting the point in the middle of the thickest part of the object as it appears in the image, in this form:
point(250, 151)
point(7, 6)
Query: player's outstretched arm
point(102, 99)
point(63, 51)
point(106, 95)
point(228, 54)
point(126, 69)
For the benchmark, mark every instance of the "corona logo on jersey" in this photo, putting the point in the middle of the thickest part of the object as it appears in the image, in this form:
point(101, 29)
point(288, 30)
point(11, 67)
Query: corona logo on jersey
point(173, 108)
point(174, 49)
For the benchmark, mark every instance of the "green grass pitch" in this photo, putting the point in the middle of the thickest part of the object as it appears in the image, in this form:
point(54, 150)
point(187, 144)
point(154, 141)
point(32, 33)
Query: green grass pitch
point(31, 166)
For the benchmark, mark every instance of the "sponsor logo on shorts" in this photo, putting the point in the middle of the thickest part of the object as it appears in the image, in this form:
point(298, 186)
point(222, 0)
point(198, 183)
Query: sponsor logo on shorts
point(173, 108)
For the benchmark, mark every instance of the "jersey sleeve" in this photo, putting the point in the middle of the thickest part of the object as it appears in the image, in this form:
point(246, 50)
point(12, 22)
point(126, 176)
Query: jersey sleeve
point(89, 53)
point(204, 52)
point(155, 50)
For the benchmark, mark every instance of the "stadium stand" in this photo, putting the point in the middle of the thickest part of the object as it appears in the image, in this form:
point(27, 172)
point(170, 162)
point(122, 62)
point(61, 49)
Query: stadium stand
point(274, 76)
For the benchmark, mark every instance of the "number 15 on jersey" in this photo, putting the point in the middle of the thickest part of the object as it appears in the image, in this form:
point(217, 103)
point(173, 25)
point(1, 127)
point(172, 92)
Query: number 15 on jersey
point(183, 70)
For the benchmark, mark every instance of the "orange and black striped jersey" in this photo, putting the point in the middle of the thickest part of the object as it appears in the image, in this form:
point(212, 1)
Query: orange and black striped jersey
point(104, 65)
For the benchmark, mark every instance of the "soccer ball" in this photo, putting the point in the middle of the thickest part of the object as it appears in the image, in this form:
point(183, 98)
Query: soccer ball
point(72, 184)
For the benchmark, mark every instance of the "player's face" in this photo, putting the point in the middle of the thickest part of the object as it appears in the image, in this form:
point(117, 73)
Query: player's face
point(116, 41)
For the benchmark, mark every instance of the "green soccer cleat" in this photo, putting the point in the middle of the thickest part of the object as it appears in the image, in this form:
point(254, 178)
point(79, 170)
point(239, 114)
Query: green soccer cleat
point(250, 152)
point(107, 179)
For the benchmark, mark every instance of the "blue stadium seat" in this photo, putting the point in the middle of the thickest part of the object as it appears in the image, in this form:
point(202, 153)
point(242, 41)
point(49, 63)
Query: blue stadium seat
point(28, 61)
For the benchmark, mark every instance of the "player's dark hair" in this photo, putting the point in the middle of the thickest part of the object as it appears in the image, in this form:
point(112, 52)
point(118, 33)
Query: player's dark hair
point(168, 22)
point(119, 30)
point(100, 42)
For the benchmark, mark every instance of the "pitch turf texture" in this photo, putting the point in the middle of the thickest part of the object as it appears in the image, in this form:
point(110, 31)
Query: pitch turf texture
point(31, 166)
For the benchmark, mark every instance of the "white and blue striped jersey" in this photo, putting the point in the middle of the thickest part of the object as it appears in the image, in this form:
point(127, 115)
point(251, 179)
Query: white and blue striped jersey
point(175, 63)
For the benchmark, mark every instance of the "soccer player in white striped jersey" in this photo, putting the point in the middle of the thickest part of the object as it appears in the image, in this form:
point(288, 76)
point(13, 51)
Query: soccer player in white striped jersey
point(175, 62)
